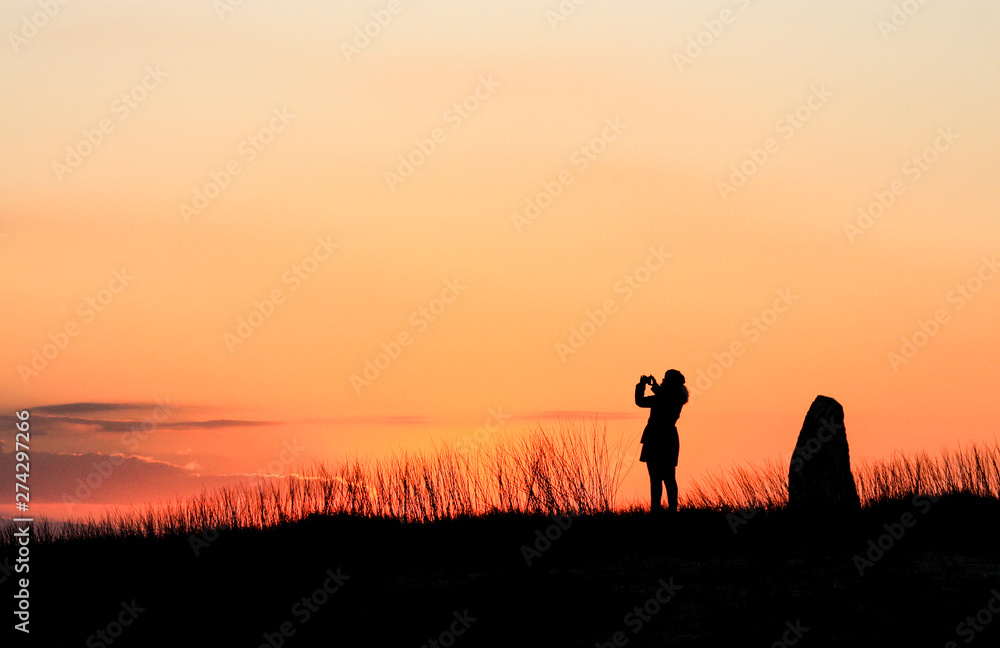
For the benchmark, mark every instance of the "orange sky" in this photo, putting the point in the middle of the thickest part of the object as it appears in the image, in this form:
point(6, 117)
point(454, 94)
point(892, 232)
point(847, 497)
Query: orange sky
point(235, 211)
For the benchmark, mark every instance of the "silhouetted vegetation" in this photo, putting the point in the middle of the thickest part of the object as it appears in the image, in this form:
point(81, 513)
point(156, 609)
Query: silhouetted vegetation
point(570, 471)
point(973, 470)
point(420, 540)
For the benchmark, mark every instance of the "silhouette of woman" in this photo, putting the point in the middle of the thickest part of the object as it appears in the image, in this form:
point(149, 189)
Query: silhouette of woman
point(660, 443)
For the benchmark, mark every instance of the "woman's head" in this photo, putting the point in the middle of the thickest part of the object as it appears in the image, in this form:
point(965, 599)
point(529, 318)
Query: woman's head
point(673, 380)
point(673, 377)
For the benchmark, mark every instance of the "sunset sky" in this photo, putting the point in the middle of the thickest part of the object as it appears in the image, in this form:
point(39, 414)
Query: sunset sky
point(359, 227)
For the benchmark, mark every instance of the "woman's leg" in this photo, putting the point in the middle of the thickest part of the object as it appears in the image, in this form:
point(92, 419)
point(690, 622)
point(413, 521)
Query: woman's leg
point(670, 479)
point(655, 486)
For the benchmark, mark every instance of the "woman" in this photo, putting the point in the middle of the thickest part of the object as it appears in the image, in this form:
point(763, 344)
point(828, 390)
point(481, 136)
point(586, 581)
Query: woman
point(660, 443)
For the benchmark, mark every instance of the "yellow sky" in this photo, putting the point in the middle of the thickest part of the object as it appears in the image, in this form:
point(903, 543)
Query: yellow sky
point(168, 169)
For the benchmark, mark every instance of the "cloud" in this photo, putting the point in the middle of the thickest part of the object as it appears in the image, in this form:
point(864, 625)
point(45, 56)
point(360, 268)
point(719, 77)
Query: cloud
point(98, 478)
point(90, 408)
point(73, 418)
point(131, 425)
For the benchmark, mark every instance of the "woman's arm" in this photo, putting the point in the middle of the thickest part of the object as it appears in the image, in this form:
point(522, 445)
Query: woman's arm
point(640, 394)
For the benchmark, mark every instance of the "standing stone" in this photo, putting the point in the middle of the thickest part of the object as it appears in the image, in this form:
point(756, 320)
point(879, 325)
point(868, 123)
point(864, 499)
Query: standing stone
point(819, 478)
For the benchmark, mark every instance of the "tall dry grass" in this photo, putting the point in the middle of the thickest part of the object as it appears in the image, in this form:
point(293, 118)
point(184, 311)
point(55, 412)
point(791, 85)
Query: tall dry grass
point(763, 487)
point(972, 470)
point(570, 471)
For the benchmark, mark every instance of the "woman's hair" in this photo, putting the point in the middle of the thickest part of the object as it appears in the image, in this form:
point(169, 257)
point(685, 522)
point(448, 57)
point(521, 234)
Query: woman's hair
point(675, 379)
point(674, 376)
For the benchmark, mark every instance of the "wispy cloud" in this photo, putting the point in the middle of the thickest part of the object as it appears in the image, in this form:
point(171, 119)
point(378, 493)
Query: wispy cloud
point(110, 425)
point(71, 409)
point(99, 478)
point(113, 418)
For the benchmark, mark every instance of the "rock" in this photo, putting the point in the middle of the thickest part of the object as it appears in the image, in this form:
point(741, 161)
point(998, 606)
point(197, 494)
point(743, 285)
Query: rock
point(819, 477)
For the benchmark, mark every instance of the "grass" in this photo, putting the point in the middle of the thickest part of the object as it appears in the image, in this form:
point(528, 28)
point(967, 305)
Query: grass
point(972, 470)
point(471, 518)
point(570, 471)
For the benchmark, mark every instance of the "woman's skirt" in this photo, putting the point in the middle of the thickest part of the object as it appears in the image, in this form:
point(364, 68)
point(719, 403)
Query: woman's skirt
point(660, 445)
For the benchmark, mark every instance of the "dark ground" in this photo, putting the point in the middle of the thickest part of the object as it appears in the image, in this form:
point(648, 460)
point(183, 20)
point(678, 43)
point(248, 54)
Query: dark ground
point(777, 580)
